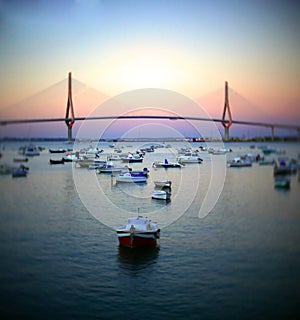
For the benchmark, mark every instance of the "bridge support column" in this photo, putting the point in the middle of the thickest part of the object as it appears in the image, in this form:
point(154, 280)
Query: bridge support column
point(70, 133)
point(70, 120)
point(226, 123)
point(226, 137)
point(272, 134)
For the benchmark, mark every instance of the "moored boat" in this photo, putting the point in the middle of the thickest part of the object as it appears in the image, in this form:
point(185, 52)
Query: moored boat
point(57, 150)
point(20, 172)
point(130, 158)
point(284, 166)
point(30, 151)
point(86, 162)
point(110, 167)
point(163, 183)
point(144, 172)
point(238, 163)
point(20, 159)
point(131, 178)
point(56, 161)
point(220, 151)
point(69, 157)
point(167, 164)
point(189, 159)
point(138, 232)
point(161, 195)
point(282, 182)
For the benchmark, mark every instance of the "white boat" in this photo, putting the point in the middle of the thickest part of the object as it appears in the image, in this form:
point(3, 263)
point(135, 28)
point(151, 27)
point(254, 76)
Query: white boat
point(87, 162)
point(189, 159)
point(163, 183)
point(219, 151)
point(131, 178)
point(132, 158)
point(161, 195)
point(144, 172)
point(138, 232)
point(114, 157)
point(69, 157)
point(30, 151)
point(167, 164)
point(89, 153)
point(110, 167)
point(239, 162)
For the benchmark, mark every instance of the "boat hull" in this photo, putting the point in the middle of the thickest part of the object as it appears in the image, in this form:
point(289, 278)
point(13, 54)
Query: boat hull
point(131, 179)
point(133, 240)
point(161, 195)
point(132, 160)
point(51, 161)
point(240, 165)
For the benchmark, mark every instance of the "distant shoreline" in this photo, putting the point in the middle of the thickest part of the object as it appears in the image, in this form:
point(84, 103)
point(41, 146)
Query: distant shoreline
point(200, 140)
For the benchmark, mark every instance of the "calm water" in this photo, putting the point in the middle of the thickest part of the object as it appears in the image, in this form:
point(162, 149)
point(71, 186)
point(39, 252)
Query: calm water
point(242, 261)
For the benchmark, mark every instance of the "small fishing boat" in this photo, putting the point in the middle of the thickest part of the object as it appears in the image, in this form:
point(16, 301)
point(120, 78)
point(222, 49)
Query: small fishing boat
point(114, 157)
point(69, 157)
point(89, 153)
point(131, 178)
point(86, 162)
point(20, 172)
point(20, 159)
point(138, 232)
point(31, 151)
point(239, 162)
point(56, 161)
point(220, 151)
point(163, 183)
point(57, 150)
point(144, 172)
point(167, 164)
point(189, 159)
point(161, 195)
point(284, 166)
point(282, 182)
point(130, 158)
point(110, 167)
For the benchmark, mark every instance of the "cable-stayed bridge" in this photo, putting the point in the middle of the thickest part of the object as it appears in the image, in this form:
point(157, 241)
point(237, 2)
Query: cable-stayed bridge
point(227, 121)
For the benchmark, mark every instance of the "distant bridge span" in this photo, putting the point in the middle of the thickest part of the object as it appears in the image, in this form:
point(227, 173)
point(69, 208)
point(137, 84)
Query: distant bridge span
point(249, 123)
point(70, 118)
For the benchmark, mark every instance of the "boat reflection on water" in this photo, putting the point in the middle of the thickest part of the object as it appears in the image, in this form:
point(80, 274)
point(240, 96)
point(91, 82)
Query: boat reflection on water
point(135, 259)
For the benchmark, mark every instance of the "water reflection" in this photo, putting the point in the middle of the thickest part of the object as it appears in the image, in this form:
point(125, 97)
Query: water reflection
point(137, 259)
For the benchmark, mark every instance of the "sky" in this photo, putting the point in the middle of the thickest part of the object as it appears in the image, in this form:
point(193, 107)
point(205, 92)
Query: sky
point(189, 47)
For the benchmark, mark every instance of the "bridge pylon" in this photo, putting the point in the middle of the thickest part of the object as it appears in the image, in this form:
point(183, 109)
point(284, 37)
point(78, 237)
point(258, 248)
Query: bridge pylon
point(70, 117)
point(226, 123)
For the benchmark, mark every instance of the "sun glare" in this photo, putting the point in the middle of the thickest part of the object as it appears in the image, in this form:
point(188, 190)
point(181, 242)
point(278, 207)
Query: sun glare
point(147, 71)
point(144, 68)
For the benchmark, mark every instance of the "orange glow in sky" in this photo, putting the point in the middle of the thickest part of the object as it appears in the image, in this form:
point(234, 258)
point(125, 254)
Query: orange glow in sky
point(189, 47)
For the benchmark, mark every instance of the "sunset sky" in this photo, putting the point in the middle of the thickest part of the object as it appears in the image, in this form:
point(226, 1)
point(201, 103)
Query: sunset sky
point(190, 47)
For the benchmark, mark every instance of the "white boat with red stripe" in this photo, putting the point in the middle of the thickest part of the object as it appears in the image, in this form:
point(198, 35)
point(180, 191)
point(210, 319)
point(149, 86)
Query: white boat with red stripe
point(138, 232)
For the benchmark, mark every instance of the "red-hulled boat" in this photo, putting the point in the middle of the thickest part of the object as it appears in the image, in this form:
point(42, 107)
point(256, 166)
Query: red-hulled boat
point(138, 232)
